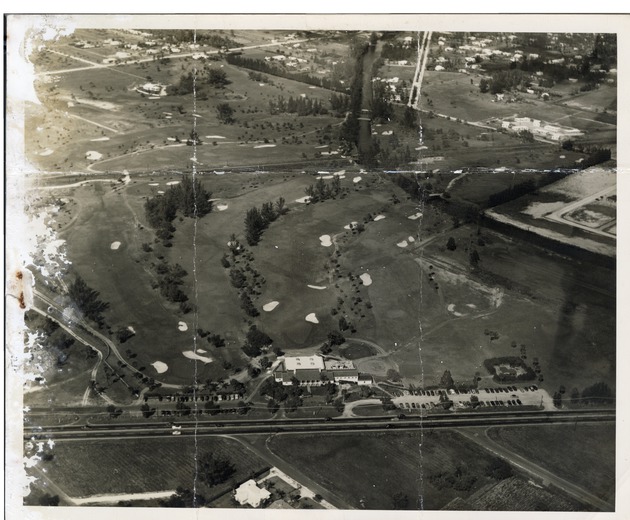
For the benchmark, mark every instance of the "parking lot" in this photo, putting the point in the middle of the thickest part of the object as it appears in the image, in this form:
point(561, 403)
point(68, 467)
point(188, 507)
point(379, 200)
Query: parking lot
point(509, 396)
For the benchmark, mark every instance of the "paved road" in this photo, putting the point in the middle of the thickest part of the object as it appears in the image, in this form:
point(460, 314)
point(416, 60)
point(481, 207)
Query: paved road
point(522, 463)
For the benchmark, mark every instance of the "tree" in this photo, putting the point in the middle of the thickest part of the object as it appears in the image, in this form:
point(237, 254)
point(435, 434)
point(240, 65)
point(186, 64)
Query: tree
point(393, 375)
point(484, 86)
point(498, 469)
point(557, 400)
point(254, 226)
point(336, 338)
point(450, 244)
point(225, 113)
point(147, 411)
point(213, 470)
point(49, 500)
point(410, 118)
point(257, 338)
point(218, 78)
point(474, 258)
point(447, 380)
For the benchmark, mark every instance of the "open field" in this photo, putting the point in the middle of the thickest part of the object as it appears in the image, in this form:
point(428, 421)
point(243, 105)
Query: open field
point(570, 309)
point(555, 447)
point(383, 465)
point(86, 468)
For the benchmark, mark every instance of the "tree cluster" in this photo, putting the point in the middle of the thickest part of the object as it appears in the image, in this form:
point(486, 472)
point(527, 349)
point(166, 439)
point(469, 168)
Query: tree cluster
point(599, 393)
point(170, 279)
point(290, 395)
point(257, 220)
point(459, 479)
point(397, 51)
point(189, 197)
point(225, 113)
point(321, 190)
point(256, 341)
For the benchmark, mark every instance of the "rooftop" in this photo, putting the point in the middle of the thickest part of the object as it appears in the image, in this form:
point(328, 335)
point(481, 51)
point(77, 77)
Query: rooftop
point(304, 362)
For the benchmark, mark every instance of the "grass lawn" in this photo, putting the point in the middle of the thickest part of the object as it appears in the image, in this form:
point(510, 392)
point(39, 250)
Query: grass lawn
point(140, 465)
point(582, 453)
point(383, 464)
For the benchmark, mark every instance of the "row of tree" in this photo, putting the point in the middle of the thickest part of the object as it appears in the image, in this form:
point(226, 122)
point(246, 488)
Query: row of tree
point(87, 300)
point(302, 106)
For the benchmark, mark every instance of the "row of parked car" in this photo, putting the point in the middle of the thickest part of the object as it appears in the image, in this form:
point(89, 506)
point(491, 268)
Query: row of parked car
point(472, 391)
point(509, 389)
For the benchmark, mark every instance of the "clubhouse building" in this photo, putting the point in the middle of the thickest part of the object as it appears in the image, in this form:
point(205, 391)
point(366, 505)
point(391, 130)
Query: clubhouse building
point(317, 371)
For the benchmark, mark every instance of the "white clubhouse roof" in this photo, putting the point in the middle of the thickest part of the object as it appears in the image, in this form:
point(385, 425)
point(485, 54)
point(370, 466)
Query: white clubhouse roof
point(304, 362)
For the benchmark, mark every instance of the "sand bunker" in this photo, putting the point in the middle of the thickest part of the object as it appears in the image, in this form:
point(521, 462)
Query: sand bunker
point(563, 157)
point(415, 216)
point(325, 240)
point(303, 200)
point(160, 193)
point(172, 183)
point(171, 138)
point(222, 207)
point(160, 367)
point(379, 217)
point(411, 239)
point(388, 132)
point(318, 287)
point(192, 355)
point(265, 146)
point(312, 318)
point(356, 179)
point(268, 307)
point(46, 152)
point(202, 351)
point(352, 225)
point(451, 307)
point(215, 137)
point(93, 156)
point(219, 173)
point(154, 184)
point(402, 244)
point(325, 177)
point(340, 173)
point(131, 329)
point(471, 305)
point(182, 326)
point(100, 139)
point(366, 279)
point(115, 245)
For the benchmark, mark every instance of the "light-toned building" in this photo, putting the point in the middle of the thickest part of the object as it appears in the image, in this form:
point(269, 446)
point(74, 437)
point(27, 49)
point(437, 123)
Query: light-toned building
point(250, 494)
point(315, 371)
